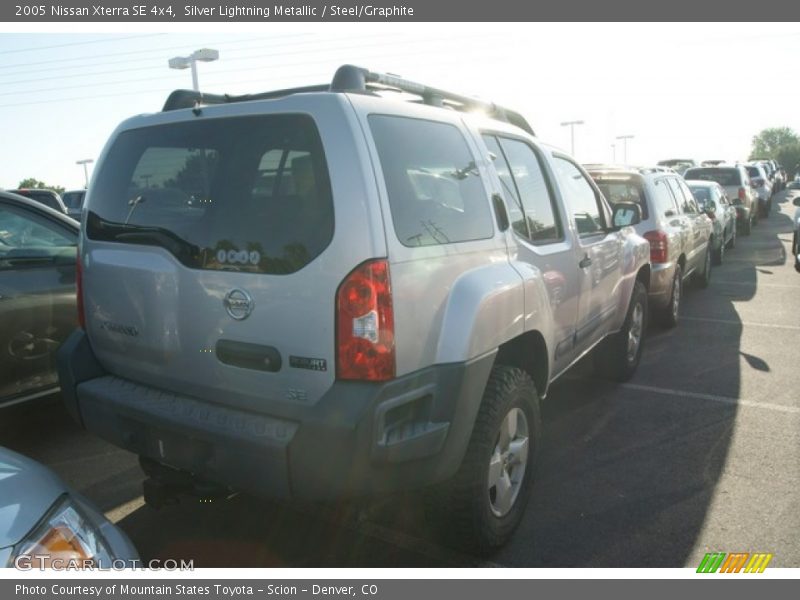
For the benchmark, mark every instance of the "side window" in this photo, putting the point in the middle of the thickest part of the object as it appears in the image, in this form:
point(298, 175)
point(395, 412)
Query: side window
point(687, 204)
point(664, 199)
point(435, 190)
point(580, 197)
point(24, 234)
point(687, 193)
point(531, 188)
point(516, 212)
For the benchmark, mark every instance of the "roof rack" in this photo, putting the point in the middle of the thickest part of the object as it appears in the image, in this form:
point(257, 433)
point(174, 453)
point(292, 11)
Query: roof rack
point(352, 79)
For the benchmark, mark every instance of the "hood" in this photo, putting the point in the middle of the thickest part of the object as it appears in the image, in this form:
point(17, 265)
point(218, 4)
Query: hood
point(27, 491)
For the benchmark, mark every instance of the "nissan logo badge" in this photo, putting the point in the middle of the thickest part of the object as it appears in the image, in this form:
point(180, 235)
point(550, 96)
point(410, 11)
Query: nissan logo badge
point(239, 304)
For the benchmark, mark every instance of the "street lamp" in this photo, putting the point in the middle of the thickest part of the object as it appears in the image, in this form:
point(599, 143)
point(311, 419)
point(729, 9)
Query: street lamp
point(572, 133)
point(186, 62)
point(625, 139)
point(613, 153)
point(84, 162)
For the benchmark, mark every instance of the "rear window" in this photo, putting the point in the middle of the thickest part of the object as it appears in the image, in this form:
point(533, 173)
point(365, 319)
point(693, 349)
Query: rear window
point(245, 194)
point(73, 200)
point(753, 171)
point(46, 198)
point(622, 189)
point(729, 177)
point(435, 190)
point(702, 195)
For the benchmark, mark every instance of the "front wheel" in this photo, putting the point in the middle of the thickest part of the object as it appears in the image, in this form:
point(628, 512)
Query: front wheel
point(484, 502)
point(669, 315)
point(618, 356)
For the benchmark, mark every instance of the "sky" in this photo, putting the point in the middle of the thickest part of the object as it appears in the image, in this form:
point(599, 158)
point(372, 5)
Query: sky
point(682, 90)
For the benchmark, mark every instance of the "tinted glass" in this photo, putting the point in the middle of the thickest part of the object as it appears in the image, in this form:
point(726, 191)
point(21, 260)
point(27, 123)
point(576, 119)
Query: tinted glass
point(685, 200)
point(580, 197)
point(73, 200)
point(753, 172)
point(46, 198)
point(702, 195)
point(435, 190)
point(532, 188)
point(244, 194)
point(25, 236)
point(622, 189)
point(723, 176)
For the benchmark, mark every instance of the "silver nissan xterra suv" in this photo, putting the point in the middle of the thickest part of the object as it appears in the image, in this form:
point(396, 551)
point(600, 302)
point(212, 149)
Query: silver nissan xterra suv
point(333, 291)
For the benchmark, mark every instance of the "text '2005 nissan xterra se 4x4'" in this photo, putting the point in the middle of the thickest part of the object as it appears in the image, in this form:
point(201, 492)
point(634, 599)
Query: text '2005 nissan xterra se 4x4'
point(333, 291)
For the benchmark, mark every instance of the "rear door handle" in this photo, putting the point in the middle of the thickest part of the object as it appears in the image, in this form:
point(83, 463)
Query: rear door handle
point(586, 261)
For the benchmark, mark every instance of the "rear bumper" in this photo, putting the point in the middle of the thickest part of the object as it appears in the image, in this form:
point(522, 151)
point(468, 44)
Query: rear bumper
point(360, 438)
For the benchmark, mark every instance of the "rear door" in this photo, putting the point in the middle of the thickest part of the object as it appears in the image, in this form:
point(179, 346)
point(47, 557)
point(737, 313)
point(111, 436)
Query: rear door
point(696, 225)
point(542, 239)
point(213, 251)
point(598, 255)
point(37, 298)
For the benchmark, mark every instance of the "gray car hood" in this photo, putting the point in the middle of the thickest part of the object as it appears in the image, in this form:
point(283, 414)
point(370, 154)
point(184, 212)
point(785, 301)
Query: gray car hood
point(27, 491)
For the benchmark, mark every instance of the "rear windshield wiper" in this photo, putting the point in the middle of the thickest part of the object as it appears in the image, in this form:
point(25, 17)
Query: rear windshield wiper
point(111, 231)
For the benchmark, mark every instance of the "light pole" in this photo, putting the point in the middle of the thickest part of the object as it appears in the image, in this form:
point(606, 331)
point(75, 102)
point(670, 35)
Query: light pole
point(186, 62)
point(84, 162)
point(572, 133)
point(613, 153)
point(625, 139)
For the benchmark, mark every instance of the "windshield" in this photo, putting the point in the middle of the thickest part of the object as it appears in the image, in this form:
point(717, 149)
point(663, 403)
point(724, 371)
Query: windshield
point(244, 194)
point(702, 195)
point(625, 189)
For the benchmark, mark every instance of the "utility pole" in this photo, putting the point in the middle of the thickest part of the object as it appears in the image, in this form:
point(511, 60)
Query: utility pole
point(625, 139)
point(572, 133)
point(84, 162)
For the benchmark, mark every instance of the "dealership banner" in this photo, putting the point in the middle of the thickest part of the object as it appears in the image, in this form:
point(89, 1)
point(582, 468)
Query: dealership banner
point(198, 11)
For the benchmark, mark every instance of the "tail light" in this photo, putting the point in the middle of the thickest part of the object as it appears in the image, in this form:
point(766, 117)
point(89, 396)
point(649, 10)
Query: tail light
point(79, 292)
point(742, 194)
point(365, 324)
point(659, 246)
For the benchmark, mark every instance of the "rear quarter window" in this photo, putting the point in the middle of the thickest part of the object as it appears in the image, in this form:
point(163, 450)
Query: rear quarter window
point(435, 191)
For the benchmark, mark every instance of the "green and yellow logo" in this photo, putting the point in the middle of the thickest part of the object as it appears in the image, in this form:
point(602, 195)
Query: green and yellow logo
point(737, 562)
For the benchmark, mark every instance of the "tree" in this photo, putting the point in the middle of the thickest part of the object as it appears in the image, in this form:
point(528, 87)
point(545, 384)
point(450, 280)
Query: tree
point(768, 143)
point(33, 183)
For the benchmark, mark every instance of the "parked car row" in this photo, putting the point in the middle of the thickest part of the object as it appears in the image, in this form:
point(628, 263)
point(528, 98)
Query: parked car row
point(69, 203)
point(323, 292)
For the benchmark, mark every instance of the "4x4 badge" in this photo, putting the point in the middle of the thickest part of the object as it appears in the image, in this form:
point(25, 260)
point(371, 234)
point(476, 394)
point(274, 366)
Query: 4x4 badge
point(238, 303)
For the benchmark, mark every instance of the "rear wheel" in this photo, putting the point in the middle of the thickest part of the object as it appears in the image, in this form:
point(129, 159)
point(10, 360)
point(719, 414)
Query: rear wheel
point(704, 278)
point(719, 253)
point(483, 504)
point(747, 226)
point(669, 315)
point(732, 241)
point(618, 356)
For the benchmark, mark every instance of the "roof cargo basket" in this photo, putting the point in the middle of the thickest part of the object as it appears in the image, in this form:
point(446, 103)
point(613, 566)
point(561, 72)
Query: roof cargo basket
point(352, 79)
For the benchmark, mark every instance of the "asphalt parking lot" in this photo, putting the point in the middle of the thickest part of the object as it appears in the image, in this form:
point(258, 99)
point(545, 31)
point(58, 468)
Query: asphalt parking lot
point(700, 452)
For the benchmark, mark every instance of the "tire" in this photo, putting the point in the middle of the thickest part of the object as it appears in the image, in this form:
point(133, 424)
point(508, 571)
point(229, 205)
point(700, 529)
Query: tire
point(473, 515)
point(704, 278)
point(732, 241)
point(718, 254)
point(669, 315)
point(795, 244)
point(618, 356)
point(747, 227)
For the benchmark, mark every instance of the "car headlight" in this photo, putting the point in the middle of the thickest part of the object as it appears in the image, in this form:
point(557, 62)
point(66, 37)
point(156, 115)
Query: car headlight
point(64, 538)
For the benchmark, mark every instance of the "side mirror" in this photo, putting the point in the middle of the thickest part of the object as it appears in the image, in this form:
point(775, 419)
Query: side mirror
point(626, 213)
point(796, 201)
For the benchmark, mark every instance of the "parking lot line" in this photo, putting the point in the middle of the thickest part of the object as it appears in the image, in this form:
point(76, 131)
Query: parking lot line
point(711, 397)
point(118, 513)
point(741, 323)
